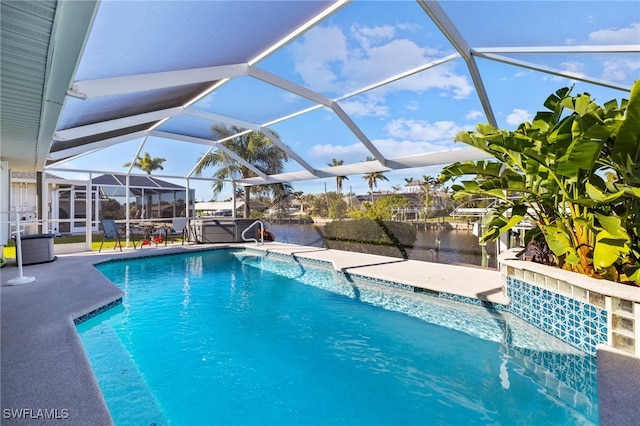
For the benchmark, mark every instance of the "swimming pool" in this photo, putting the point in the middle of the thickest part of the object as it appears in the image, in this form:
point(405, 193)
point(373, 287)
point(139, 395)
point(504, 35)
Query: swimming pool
point(236, 337)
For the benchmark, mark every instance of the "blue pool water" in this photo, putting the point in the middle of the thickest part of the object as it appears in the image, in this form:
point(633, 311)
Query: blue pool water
point(234, 337)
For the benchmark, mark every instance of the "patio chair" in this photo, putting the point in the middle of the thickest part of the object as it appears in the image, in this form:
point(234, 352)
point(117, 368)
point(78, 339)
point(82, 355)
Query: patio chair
point(178, 229)
point(110, 232)
point(139, 233)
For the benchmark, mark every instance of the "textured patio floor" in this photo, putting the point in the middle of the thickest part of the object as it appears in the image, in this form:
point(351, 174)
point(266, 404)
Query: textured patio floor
point(43, 364)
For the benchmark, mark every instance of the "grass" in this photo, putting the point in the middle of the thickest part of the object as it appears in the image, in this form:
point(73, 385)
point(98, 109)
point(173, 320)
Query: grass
point(10, 248)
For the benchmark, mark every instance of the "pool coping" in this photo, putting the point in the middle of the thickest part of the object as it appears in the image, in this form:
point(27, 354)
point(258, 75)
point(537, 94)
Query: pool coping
point(42, 353)
point(471, 283)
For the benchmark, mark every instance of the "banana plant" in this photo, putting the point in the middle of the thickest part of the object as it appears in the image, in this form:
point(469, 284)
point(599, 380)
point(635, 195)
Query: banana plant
point(573, 171)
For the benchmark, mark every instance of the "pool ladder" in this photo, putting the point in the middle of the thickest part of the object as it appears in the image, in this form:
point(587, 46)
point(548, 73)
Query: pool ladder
point(261, 233)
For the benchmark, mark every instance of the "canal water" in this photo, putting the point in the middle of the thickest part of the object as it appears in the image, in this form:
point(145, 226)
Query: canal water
point(458, 247)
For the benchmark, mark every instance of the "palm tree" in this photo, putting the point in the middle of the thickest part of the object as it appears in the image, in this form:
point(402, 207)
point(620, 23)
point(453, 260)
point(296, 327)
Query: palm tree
point(372, 179)
point(428, 185)
point(282, 196)
point(299, 195)
point(146, 163)
point(240, 192)
point(254, 147)
point(339, 179)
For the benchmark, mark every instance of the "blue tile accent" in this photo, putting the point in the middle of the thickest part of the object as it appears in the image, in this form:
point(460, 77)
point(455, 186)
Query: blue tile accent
point(96, 312)
point(355, 277)
point(578, 323)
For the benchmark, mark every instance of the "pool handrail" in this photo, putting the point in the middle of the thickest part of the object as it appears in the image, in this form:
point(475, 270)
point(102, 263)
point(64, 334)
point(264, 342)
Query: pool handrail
point(261, 233)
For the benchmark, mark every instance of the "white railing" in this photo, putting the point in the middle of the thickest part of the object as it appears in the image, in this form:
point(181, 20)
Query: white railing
point(20, 279)
point(261, 233)
point(480, 212)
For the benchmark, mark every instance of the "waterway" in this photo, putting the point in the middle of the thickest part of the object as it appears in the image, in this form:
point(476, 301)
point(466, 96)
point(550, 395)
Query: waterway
point(458, 247)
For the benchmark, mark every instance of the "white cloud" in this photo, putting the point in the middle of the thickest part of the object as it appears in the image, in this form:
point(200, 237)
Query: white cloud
point(412, 106)
point(422, 130)
point(620, 69)
point(290, 98)
point(518, 116)
point(627, 35)
point(208, 101)
point(442, 77)
point(473, 115)
point(391, 148)
point(574, 67)
point(368, 55)
point(368, 36)
point(320, 48)
point(573, 70)
point(408, 26)
point(323, 153)
point(367, 107)
point(516, 75)
point(383, 61)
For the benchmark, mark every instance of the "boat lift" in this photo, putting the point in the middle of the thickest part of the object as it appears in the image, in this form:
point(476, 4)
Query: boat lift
point(506, 240)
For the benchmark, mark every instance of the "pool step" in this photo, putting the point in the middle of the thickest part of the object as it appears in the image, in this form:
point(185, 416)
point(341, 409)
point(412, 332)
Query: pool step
point(120, 379)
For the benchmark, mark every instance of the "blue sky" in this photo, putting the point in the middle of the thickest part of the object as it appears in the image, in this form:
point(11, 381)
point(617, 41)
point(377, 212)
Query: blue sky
point(366, 42)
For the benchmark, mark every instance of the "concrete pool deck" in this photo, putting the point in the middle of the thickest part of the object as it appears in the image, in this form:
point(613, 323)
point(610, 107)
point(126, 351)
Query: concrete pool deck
point(46, 377)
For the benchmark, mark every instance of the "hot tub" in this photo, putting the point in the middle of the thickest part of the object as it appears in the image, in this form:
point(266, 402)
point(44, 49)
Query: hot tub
point(37, 248)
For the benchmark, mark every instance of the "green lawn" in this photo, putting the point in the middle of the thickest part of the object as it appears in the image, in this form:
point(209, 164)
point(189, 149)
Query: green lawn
point(10, 249)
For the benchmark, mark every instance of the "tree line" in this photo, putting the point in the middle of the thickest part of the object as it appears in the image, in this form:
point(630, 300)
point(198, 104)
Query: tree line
point(243, 155)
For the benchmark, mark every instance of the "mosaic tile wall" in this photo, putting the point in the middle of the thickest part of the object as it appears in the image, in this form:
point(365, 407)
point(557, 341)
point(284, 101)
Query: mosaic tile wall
point(578, 323)
point(574, 314)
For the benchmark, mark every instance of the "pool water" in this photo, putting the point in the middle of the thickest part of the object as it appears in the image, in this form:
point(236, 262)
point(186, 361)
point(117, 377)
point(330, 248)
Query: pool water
point(236, 337)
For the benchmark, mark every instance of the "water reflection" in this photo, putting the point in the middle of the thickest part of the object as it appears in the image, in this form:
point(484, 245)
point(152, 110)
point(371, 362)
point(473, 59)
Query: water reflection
point(454, 247)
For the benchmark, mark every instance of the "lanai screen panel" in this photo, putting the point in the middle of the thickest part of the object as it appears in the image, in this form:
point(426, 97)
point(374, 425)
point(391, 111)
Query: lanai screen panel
point(390, 80)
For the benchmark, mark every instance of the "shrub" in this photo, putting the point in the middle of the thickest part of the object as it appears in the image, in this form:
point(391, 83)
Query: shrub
point(371, 232)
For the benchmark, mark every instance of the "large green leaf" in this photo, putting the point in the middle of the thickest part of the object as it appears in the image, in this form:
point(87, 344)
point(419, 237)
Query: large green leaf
point(612, 242)
point(581, 155)
point(553, 102)
point(627, 144)
point(633, 192)
point(501, 218)
point(609, 249)
point(581, 104)
point(596, 195)
point(543, 121)
point(560, 243)
point(478, 168)
point(561, 135)
point(486, 129)
point(500, 225)
point(611, 105)
point(633, 273)
point(611, 224)
point(602, 130)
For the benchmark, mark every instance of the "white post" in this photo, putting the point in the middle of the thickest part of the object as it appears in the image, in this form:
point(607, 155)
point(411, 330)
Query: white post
point(187, 201)
point(20, 279)
point(233, 200)
point(88, 222)
point(127, 214)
